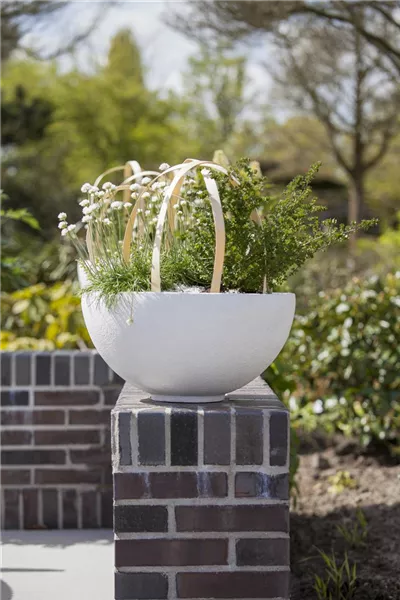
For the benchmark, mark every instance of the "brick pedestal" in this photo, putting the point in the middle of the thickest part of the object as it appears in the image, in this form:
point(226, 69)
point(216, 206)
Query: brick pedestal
point(201, 497)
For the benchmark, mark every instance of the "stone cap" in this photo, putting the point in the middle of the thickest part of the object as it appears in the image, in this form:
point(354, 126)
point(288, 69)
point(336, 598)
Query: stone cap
point(256, 394)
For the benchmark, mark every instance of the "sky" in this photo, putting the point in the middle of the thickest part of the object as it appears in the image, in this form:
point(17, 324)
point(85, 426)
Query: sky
point(165, 51)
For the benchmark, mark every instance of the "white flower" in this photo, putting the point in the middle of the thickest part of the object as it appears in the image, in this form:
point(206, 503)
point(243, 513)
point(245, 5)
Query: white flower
point(116, 205)
point(318, 407)
point(127, 204)
point(107, 185)
point(183, 202)
point(147, 213)
point(154, 221)
point(134, 187)
point(64, 232)
point(93, 189)
point(71, 227)
point(146, 195)
point(145, 180)
point(106, 221)
point(205, 172)
point(139, 212)
point(198, 202)
point(85, 188)
point(342, 307)
point(331, 402)
point(86, 218)
point(62, 216)
point(84, 202)
point(164, 166)
point(62, 225)
point(100, 194)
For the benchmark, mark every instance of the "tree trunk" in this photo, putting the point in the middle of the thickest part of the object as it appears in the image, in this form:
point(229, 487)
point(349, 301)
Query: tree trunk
point(355, 205)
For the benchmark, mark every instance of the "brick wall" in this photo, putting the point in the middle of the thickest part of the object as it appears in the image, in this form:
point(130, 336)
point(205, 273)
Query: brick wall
point(55, 440)
point(201, 498)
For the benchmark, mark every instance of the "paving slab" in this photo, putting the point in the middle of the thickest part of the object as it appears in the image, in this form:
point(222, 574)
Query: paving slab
point(57, 565)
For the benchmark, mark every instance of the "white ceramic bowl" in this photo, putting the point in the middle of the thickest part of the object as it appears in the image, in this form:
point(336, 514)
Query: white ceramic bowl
point(185, 347)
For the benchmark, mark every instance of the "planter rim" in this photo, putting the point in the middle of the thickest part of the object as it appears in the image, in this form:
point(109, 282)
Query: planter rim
point(209, 294)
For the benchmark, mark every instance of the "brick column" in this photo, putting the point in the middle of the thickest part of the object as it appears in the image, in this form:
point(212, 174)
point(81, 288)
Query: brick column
point(201, 497)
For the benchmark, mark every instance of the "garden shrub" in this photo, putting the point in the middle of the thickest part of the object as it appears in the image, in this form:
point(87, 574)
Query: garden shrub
point(43, 317)
point(340, 366)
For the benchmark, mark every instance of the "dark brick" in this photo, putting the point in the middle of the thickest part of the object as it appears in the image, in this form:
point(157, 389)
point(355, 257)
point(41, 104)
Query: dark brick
point(32, 417)
point(183, 437)
point(89, 417)
point(43, 369)
point(93, 456)
point(67, 476)
point(70, 513)
point(50, 508)
point(81, 369)
point(16, 438)
point(89, 510)
point(130, 486)
point(151, 432)
point(142, 553)
point(107, 509)
point(57, 437)
point(62, 370)
point(124, 437)
point(249, 437)
point(30, 501)
point(15, 398)
point(278, 438)
point(140, 518)
point(11, 509)
point(141, 586)
point(272, 552)
point(111, 395)
point(33, 457)
point(101, 371)
point(217, 437)
point(5, 368)
point(66, 398)
point(15, 477)
point(23, 369)
point(261, 485)
point(245, 584)
point(232, 518)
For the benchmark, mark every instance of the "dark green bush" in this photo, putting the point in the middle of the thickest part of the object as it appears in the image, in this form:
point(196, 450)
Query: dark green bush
point(340, 366)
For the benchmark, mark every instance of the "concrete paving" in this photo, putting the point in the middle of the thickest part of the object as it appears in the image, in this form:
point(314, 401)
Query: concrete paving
point(57, 565)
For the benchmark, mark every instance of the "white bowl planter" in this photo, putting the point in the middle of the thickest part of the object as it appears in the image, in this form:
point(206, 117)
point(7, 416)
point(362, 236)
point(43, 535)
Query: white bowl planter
point(189, 347)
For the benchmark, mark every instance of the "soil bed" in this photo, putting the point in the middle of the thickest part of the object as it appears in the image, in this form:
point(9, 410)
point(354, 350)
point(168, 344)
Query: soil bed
point(318, 513)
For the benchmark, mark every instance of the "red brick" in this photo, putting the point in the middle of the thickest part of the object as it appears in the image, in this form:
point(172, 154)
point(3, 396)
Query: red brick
point(33, 457)
point(129, 486)
point(70, 514)
point(32, 417)
point(30, 500)
point(93, 456)
point(15, 477)
point(141, 586)
point(89, 417)
point(142, 553)
point(236, 584)
point(11, 509)
point(16, 438)
point(66, 437)
point(265, 552)
point(50, 508)
point(66, 398)
point(89, 510)
point(232, 518)
point(65, 476)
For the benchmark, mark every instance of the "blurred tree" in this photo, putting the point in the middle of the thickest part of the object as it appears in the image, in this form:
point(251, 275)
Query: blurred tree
point(20, 17)
point(214, 97)
point(24, 119)
point(124, 58)
point(238, 19)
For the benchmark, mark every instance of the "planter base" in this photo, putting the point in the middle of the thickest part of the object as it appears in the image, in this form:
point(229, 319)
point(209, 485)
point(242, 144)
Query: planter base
point(187, 399)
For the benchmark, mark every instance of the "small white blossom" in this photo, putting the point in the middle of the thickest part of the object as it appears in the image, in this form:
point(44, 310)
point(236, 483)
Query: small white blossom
point(139, 212)
point(93, 189)
point(100, 194)
point(62, 225)
point(341, 308)
point(147, 213)
point(62, 216)
point(107, 185)
point(146, 195)
point(318, 407)
point(198, 202)
point(106, 221)
point(71, 227)
point(127, 204)
point(116, 205)
point(84, 202)
point(183, 202)
point(164, 166)
point(64, 232)
point(85, 188)
point(205, 172)
point(145, 180)
point(86, 218)
point(134, 187)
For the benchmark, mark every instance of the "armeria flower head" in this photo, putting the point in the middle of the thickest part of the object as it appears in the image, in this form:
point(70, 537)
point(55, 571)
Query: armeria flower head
point(107, 185)
point(62, 216)
point(116, 205)
point(106, 221)
point(134, 187)
point(164, 166)
point(127, 204)
point(85, 188)
point(87, 218)
point(71, 227)
point(145, 195)
point(205, 172)
point(62, 225)
point(146, 180)
point(84, 202)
